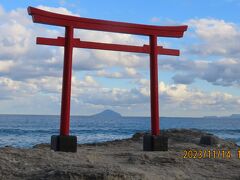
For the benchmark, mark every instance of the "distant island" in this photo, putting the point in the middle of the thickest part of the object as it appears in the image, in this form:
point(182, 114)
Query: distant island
point(107, 114)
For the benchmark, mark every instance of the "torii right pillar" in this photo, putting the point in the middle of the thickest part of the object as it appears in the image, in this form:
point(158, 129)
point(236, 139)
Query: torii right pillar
point(154, 141)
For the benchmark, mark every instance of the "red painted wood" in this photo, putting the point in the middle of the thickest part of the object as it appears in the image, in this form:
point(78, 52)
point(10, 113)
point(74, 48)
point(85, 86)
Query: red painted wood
point(154, 85)
point(45, 17)
point(60, 41)
point(66, 85)
point(51, 41)
point(112, 47)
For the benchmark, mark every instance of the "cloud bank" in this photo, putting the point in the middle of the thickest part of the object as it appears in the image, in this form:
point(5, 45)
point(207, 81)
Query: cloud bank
point(30, 75)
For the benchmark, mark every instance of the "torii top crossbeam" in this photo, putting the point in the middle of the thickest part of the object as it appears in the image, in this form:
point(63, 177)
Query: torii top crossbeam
point(69, 42)
point(45, 17)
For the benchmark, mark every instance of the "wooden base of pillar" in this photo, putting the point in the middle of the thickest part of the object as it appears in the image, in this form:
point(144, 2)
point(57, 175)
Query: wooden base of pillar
point(155, 143)
point(64, 143)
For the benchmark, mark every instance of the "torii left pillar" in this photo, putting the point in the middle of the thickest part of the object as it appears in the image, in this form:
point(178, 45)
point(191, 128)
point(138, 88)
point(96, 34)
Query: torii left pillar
point(65, 142)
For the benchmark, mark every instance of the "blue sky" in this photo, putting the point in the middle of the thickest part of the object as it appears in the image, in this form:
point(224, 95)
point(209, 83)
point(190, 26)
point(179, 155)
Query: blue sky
point(204, 80)
point(141, 11)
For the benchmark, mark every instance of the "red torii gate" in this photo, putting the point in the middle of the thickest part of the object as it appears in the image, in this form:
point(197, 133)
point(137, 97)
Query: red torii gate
point(64, 142)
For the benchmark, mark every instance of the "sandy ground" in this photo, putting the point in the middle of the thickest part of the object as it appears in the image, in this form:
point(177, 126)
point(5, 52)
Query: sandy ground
point(123, 159)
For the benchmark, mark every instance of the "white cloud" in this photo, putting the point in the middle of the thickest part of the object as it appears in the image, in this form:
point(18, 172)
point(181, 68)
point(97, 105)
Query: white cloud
point(223, 72)
point(17, 43)
point(213, 28)
point(131, 72)
point(124, 74)
point(181, 99)
point(5, 66)
point(14, 36)
point(1, 11)
point(177, 98)
point(11, 89)
point(164, 21)
point(217, 37)
point(217, 40)
point(60, 10)
point(104, 73)
point(155, 19)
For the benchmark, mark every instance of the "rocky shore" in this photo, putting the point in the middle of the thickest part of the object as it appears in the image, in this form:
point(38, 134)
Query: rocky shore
point(125, 159)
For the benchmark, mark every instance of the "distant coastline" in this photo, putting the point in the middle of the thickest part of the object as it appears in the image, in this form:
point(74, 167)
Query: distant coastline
point(113, 114)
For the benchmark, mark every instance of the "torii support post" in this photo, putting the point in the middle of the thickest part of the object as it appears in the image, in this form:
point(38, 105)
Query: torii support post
point(64, 142)
point(154, 141)
point(154, 86)
point(66, 85)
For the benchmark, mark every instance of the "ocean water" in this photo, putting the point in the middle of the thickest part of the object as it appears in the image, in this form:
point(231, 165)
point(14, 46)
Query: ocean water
point(29, 130)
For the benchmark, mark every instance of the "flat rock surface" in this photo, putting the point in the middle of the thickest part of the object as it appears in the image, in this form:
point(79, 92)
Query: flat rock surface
point(124, 159)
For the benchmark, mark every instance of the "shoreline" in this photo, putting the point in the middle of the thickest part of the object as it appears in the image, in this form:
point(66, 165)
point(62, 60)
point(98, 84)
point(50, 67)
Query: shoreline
point(124, 159)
